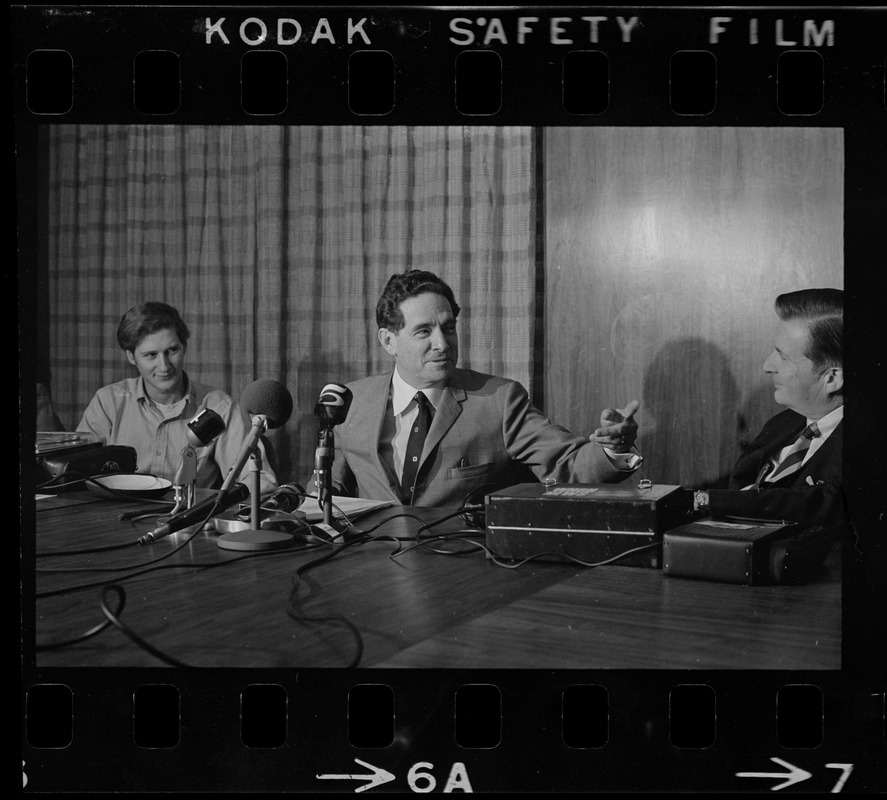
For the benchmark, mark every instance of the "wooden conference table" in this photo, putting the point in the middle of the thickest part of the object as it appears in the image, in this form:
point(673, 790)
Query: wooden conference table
point(388, 604)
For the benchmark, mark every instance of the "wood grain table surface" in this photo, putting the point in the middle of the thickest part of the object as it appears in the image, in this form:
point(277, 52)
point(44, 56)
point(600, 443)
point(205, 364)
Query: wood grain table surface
point(393, 602)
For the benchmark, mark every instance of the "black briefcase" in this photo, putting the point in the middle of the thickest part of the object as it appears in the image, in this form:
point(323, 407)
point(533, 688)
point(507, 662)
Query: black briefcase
point(67, 471)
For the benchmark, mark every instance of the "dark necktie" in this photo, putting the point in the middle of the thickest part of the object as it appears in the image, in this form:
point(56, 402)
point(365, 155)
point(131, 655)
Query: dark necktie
point(791, 463)
point(414, 447)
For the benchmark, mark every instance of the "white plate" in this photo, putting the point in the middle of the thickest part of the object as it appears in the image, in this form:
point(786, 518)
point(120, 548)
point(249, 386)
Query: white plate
point(129, 484)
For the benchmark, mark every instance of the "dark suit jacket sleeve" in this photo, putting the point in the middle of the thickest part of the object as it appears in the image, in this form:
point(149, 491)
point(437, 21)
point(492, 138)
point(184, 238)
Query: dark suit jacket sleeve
point(823, 503)
point(814, 493)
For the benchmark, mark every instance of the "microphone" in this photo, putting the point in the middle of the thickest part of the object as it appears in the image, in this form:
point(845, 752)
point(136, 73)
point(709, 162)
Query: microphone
point(331, 409)
point(286, 498)
point(268, 399)
point(217, 502)
point(270, 406)
point(333, 404)
point(205, 427)
point(202, 429)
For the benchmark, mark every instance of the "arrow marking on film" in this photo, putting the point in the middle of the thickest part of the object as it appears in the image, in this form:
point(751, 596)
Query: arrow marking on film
point(377, 777)
point(794, 774)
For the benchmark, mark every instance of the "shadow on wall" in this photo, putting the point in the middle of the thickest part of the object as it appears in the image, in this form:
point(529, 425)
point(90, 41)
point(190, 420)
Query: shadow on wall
point(758, 407)
point(693, 423)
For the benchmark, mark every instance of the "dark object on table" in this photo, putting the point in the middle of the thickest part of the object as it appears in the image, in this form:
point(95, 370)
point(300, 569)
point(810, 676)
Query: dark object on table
point(68, 470)
point(584, 522)
point(747, 551)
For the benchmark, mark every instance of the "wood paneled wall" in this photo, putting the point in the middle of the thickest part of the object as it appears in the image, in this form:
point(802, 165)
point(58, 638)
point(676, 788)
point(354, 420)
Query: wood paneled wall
point(664, 251)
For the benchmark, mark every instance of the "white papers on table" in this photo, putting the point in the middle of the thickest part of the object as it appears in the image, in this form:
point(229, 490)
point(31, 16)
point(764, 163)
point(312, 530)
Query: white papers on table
point(351, 507)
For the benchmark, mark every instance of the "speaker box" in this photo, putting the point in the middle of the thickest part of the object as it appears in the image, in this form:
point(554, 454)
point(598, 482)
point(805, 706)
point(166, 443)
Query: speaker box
point(588, 523)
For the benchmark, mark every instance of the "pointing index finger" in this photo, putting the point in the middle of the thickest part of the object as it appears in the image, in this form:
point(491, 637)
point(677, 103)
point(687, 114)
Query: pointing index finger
point(629, 411)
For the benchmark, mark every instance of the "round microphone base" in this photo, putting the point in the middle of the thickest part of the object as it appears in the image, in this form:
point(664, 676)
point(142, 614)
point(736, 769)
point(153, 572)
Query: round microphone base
point(234, 522)
point(255, 540)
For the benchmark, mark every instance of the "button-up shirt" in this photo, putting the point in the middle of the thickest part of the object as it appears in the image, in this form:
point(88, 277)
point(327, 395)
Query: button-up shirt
point(405, 410)
point(825, 424)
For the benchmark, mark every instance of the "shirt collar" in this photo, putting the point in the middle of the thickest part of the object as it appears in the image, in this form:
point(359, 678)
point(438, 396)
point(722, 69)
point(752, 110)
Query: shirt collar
point(142, 395)
point(829, 422)
point(402, 394)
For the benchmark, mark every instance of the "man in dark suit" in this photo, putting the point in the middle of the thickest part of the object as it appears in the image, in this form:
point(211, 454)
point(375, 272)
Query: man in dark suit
point(478, 430)
point(792, 470)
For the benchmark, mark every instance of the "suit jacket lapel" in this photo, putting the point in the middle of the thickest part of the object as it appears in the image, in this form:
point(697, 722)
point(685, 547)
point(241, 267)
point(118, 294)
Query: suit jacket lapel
point(378, 410)
point(824, 455)
point(447, 412)
point(768, 443)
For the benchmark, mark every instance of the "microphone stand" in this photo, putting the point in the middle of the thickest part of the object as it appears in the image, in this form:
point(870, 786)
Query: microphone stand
point(323, 478)
point(255, 467)
point(202, 429)
point(256, 538)
point(185, 480)
point(323, 462)
point(331, 410)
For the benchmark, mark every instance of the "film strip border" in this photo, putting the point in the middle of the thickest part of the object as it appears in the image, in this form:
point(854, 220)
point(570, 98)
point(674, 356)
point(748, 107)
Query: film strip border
point(438, 731)
point(433, 731)
point(503, 66)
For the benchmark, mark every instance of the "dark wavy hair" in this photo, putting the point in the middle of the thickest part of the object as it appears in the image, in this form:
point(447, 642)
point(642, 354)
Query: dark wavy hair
point(823, 310)
point(404, 285)
point(147, 318)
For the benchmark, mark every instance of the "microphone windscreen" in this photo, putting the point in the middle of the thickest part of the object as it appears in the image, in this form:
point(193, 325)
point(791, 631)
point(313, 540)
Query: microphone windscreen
point(269, 398)
point(333, 404)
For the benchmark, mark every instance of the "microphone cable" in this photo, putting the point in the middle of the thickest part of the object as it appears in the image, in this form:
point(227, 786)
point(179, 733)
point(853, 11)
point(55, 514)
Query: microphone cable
point(474, 513)
point(515, 564)
point(114, 619)
point(293, 603)
point(52, 483)
point(122, 546)
point(475, 545)
point(147, 567)
point(104, 626)
point(83, 637)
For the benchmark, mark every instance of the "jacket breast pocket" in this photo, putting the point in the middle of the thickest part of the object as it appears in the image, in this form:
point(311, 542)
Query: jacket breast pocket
point(473, 471)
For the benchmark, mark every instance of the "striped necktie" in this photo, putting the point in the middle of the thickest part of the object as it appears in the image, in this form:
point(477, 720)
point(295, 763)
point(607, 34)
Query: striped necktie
point(414, 447)
point(793, 459)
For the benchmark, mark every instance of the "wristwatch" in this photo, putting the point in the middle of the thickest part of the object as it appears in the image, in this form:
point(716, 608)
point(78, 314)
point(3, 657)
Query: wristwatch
point(700, 500)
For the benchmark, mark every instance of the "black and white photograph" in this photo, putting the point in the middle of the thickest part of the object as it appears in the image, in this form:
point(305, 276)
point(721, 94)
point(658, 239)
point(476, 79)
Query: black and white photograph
point(226, 268)
point(385, 449)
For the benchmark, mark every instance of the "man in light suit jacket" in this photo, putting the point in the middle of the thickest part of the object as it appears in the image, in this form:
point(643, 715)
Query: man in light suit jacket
point(808, 378)
point(484, 432)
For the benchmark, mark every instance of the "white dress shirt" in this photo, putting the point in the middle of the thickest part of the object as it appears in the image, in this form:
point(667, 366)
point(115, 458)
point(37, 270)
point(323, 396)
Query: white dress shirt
point(826, 425)
point(405, 410)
